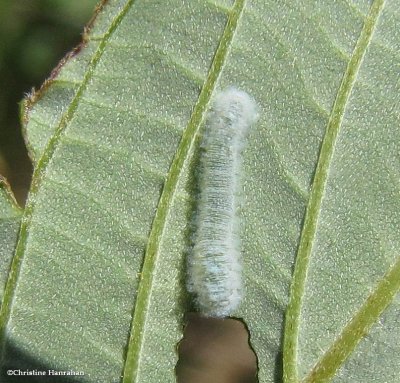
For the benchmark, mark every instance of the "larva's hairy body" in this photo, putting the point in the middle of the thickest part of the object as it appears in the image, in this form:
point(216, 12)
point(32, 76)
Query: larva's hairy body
point(215, 263)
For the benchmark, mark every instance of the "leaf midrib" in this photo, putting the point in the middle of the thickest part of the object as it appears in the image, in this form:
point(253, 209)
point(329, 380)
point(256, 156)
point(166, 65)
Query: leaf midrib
point(312, 214)
point(39, 173)
point(181, 156)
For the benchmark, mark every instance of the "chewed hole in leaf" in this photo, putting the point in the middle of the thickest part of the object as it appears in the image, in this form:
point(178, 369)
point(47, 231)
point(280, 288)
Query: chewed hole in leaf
point(215, 351)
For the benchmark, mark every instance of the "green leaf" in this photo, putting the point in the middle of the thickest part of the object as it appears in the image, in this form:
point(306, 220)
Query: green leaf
point(58, 91)
point(101, 163)
point(342, 314)
point(10, 219)
point(97, 280)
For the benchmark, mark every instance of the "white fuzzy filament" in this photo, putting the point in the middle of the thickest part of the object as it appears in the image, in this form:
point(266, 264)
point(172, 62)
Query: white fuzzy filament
point(214, 267)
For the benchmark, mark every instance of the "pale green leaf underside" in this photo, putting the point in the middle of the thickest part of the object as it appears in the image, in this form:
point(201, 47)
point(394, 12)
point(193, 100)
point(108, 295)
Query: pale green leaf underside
point(106, 136)
point(10, 219)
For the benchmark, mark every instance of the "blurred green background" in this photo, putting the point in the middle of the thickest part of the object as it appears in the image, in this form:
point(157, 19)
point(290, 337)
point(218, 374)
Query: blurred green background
point(34, 36)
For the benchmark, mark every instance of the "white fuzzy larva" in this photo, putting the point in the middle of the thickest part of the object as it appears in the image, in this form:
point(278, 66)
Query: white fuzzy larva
point(214, 266)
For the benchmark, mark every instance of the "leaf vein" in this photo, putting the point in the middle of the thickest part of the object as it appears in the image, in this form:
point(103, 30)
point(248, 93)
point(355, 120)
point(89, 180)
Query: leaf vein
point(38, 174)
point(168, 193)
point(313, 209)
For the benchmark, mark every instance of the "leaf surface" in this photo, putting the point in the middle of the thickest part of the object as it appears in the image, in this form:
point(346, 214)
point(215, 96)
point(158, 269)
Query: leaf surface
point(97, 282)
point(347, 271)
point(10, 219)
point(101, 163)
